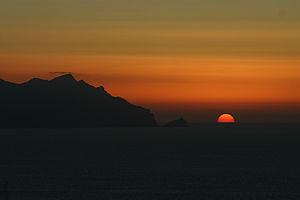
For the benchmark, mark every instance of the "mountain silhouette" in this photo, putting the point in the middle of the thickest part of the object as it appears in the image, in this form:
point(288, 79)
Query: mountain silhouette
point(66, 102)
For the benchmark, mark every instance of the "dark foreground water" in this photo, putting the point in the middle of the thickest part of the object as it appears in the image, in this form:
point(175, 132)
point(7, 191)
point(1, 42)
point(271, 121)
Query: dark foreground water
point(209, 162)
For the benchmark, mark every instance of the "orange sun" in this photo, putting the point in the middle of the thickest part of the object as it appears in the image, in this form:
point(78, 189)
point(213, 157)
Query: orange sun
point(226, 118)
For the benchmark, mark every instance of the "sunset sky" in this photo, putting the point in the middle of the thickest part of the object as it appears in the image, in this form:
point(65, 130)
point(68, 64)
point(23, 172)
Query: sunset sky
point(198, 57)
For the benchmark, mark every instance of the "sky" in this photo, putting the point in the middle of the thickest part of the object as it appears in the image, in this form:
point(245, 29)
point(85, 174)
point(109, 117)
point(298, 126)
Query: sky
point(192, 58)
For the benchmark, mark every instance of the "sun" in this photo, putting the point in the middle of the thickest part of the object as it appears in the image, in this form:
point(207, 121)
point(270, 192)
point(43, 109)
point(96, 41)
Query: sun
point(226, 118)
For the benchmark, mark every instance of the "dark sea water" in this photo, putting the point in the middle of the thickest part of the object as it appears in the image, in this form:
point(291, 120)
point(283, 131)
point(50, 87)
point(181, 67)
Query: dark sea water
point(205, 162)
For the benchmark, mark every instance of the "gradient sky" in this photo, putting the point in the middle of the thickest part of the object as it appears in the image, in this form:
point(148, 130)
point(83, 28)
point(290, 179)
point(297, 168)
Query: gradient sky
point(197, 56)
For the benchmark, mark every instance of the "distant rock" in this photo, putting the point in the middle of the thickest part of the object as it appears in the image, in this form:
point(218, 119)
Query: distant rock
point(66, 102)
point(177, 123)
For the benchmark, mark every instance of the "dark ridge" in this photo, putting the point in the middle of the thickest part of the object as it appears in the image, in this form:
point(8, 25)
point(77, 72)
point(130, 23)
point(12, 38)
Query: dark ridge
point(65, 102)
point(35, 81)
point(85, 84)
point(66, 78)
point(3, 82)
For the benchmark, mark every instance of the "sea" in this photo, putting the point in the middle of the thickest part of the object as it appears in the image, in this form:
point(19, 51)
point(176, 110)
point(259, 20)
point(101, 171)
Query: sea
point(208, 161)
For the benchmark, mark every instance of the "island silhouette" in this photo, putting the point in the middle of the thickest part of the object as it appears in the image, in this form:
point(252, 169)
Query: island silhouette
point(181, 122)
point(66, 102)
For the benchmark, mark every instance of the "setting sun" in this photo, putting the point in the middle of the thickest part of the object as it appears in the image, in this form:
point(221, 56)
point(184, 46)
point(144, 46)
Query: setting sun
point(226, 118)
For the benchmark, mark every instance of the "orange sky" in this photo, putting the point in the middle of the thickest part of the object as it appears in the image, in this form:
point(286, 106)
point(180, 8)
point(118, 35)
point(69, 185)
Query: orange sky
point(159, 53)
point(157, 79)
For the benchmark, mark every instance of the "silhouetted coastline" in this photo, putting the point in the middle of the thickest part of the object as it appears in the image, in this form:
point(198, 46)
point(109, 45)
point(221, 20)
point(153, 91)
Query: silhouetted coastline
point(66, 102)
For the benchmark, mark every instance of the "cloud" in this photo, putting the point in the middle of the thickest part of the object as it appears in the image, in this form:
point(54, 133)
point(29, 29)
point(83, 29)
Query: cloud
point(59, 73)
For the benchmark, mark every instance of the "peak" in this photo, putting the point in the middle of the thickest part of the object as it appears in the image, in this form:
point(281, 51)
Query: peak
point(65, 78)
point(85, 84)
point(101, 88)
point(34, 80)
